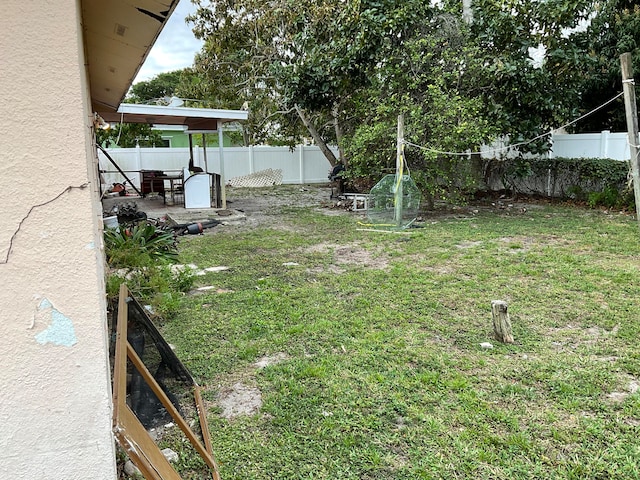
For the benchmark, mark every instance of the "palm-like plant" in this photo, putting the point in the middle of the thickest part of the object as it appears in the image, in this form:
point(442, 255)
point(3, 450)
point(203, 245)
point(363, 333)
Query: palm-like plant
point(142, 245)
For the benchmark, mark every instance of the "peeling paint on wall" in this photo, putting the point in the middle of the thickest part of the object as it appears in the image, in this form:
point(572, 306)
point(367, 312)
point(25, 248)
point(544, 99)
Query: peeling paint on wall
point(60, 331)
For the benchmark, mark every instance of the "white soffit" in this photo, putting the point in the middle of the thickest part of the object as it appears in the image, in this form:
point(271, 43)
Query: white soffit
point(118, 36)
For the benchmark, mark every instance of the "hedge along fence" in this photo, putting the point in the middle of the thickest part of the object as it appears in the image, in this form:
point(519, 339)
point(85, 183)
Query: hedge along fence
point(598, 181)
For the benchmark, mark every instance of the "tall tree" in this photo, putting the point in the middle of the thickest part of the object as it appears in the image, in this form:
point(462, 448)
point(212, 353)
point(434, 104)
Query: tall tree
point(432, 75)
point(158, 88)
point(614, 29)
point(299, 57)
point(527, 98)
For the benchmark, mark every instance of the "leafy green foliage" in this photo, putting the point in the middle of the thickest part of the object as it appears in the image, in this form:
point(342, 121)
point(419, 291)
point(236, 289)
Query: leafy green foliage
point(598, 181)
point(162, 85)
point(429, 78)
point(614, 30)
point(139, 246)
point(159, 286)
point(524, 100)
point(141, 256)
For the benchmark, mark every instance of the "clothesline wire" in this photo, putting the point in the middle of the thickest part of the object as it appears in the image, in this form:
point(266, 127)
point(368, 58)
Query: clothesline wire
point(520, 143)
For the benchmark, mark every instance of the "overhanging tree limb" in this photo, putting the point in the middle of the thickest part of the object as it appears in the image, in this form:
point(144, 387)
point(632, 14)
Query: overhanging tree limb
point(316, 136)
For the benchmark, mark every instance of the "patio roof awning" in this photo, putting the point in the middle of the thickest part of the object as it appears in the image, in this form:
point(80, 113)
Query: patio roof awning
point(197, 120)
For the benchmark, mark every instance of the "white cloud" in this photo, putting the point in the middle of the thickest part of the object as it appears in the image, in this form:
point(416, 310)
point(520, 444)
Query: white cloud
point(175, 47)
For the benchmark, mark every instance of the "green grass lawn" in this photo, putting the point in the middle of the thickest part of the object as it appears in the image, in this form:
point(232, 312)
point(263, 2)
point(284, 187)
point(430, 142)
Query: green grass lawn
point(381, 374)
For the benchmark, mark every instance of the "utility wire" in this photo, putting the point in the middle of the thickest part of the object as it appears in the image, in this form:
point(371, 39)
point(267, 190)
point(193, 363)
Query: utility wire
point(516, 144)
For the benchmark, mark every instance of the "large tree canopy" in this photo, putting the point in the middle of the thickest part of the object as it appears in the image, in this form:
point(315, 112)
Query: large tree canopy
point(342, 70)
point(613, 30)
point(158, 88)
point(289, 59)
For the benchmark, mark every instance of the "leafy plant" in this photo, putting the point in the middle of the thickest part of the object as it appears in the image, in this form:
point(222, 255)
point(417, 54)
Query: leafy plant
point(139, 246)
point(142, 256)
point(598, 181)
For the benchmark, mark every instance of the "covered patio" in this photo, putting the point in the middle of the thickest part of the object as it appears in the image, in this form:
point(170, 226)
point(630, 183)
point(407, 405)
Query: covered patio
point(195, 189)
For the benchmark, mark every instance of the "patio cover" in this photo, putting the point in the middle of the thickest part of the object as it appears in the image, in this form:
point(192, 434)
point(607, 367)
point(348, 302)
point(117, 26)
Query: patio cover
point(197, 120)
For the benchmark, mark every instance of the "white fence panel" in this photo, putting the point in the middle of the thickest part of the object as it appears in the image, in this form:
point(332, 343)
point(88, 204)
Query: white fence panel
point(591, 145)
point(276, 158)
point(304, 164)
point(307, 164)
point(166, 159)
point(316, 167)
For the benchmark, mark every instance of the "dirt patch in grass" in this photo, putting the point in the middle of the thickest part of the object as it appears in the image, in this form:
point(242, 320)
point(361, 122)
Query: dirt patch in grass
point(262, 206)
point(351, 254)
point(239, 399)
point(270, 360)
point(631, 386)
point(242, 399)
point(573, 337)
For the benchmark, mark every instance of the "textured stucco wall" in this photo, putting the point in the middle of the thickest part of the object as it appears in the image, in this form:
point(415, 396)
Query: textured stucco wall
point(55, 403)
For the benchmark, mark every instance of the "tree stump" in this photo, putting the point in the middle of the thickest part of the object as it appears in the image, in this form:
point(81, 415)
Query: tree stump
point(501, 322)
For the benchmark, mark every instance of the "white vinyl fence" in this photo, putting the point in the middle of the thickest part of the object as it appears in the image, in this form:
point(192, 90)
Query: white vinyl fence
point(604, 145)
point(307, 164)
point(591, 145)
point(580, 145)
point(304, 164)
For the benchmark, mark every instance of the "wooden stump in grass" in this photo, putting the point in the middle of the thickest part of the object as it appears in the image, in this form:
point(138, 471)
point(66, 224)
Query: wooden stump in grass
point(501, 322)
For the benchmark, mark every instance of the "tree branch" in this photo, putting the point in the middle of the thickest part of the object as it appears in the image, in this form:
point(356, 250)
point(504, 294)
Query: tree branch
point(316, 136)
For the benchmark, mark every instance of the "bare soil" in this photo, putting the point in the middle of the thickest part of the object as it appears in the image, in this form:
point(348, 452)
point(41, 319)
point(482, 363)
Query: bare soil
point(263, 206)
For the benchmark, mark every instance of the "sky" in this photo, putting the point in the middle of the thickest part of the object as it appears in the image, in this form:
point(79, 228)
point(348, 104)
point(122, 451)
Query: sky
point(175, 47)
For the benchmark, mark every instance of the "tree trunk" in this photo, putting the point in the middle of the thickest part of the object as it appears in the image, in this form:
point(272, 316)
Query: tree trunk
point(245, 136)
point(316, 137)
point(501, 321)
point(339, 135)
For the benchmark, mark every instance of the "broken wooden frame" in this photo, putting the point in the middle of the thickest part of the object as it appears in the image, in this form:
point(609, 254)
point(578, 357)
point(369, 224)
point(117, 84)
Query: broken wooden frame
point(128, 428)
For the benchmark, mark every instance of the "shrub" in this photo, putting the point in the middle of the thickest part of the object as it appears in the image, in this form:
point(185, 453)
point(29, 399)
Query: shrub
point(139, 246)
point(597, 181)
point(142, 256)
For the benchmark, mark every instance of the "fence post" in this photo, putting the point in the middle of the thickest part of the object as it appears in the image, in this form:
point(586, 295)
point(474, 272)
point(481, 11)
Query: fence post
point(138, 164)
point(223, 177)
point(605, 135)
point(629, 89)
point(251, 160)
point(301, 164)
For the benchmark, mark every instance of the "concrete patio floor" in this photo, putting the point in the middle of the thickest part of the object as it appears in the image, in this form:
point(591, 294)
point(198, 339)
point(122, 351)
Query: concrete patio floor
point(155, 207)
